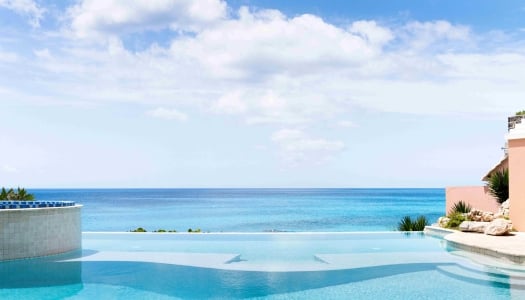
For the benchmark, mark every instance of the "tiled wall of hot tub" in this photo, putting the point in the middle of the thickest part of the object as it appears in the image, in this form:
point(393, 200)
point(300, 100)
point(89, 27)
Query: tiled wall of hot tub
point(32, 232)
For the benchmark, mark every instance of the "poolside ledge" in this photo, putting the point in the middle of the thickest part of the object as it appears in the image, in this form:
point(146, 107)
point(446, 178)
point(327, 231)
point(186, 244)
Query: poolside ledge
point(509, 247)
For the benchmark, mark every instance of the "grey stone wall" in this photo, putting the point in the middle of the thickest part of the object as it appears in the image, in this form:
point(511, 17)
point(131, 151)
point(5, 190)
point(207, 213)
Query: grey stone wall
point(33, 232)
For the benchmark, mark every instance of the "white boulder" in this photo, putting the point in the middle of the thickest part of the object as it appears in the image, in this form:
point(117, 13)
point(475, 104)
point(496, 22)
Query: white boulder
point(487, 216)
point(498, 227)
point(473, 226)
point(475, 215)
point(443, 221)
point(504, 209)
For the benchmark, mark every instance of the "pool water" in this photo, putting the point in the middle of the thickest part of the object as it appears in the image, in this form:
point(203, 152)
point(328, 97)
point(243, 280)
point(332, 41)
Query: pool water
point(262, 266)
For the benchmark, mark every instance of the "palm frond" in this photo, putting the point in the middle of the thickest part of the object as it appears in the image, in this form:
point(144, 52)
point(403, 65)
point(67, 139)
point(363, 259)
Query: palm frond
point(499, 185)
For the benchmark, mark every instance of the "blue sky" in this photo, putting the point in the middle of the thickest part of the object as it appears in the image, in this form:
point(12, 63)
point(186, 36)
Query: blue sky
point(210, 93)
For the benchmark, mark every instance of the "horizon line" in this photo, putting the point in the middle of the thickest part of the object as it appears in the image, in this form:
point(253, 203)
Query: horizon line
point(244, 188)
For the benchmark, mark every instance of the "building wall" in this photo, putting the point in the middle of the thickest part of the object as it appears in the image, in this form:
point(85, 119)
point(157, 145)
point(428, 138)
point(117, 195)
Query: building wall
point(33, 232)
point(517, 183)
point(501, 166)
point(477, 196)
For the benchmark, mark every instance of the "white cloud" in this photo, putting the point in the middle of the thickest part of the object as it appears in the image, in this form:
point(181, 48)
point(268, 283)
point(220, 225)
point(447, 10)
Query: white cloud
point(302, 69)
point(42, 53)
point(9, 169)
point(267, 68)
point(346, 124)
point(375, 34)
point(8, 57)
point(269, 107)
point(297, 147)
point(25, 7)
point(421, 35)
point(167, 114)
point(231, 103)
point(266, 43)
point(270, 70)
point(92, 18)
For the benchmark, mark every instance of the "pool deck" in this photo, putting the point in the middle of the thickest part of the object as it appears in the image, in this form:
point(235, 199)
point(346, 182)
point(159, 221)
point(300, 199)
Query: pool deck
point(509, 247)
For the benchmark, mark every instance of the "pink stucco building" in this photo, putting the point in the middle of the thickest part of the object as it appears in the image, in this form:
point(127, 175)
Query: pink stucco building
point(513, 160)
point(516, 144)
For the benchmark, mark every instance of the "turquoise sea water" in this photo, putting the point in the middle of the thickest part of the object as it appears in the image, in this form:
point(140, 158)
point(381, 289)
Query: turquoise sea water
point(249, 210)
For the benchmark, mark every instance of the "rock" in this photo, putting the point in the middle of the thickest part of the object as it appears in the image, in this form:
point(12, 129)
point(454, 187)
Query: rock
point(480, 216)
point(504, 209)
point(498, 227)
point(443, 221)
point(487, 217)
point(473, 226)
point(506, 204)
point(476, 215)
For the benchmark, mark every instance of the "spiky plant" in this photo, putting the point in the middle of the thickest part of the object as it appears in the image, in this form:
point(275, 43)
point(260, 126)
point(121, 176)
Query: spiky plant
point(499, 185)
point(460, 207)
point(420, 223)
point(407, 224)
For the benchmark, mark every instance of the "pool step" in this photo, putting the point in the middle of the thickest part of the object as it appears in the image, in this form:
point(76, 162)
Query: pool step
point(275, 259)
point(491, 262)
point(236, 259)
point(214, 260)
point(482, 276)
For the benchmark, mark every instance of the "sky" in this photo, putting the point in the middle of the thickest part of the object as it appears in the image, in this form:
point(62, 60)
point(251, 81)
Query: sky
point(257, 93)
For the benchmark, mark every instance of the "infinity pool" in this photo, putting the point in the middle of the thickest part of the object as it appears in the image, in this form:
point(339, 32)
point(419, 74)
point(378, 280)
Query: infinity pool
point(262, 266)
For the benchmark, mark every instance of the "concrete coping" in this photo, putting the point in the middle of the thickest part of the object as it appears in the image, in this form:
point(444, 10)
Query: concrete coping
point(508, 247)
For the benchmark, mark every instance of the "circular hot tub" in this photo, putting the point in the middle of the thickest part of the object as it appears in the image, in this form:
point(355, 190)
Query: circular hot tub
point(38, 228)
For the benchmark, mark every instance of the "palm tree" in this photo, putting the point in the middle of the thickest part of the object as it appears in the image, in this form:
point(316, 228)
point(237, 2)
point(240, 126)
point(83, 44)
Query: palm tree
point(24, 195)
point(11, 195)
point(19, 194)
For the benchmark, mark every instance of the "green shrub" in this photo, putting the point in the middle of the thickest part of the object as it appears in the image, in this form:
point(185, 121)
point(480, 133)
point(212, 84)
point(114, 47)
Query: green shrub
point(407, 224)
point(520, 113)
point(19, 194)
point(139, 229)
point(455, 220)
point(499, 185)
point(194, 230)
point(460, 207)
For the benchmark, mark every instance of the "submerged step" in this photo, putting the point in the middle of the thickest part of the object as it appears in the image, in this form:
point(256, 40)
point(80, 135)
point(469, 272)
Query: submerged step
point(484, 277)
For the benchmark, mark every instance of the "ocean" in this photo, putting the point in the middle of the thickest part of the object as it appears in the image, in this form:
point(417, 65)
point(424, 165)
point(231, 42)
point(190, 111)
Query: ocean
point(249, 210)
